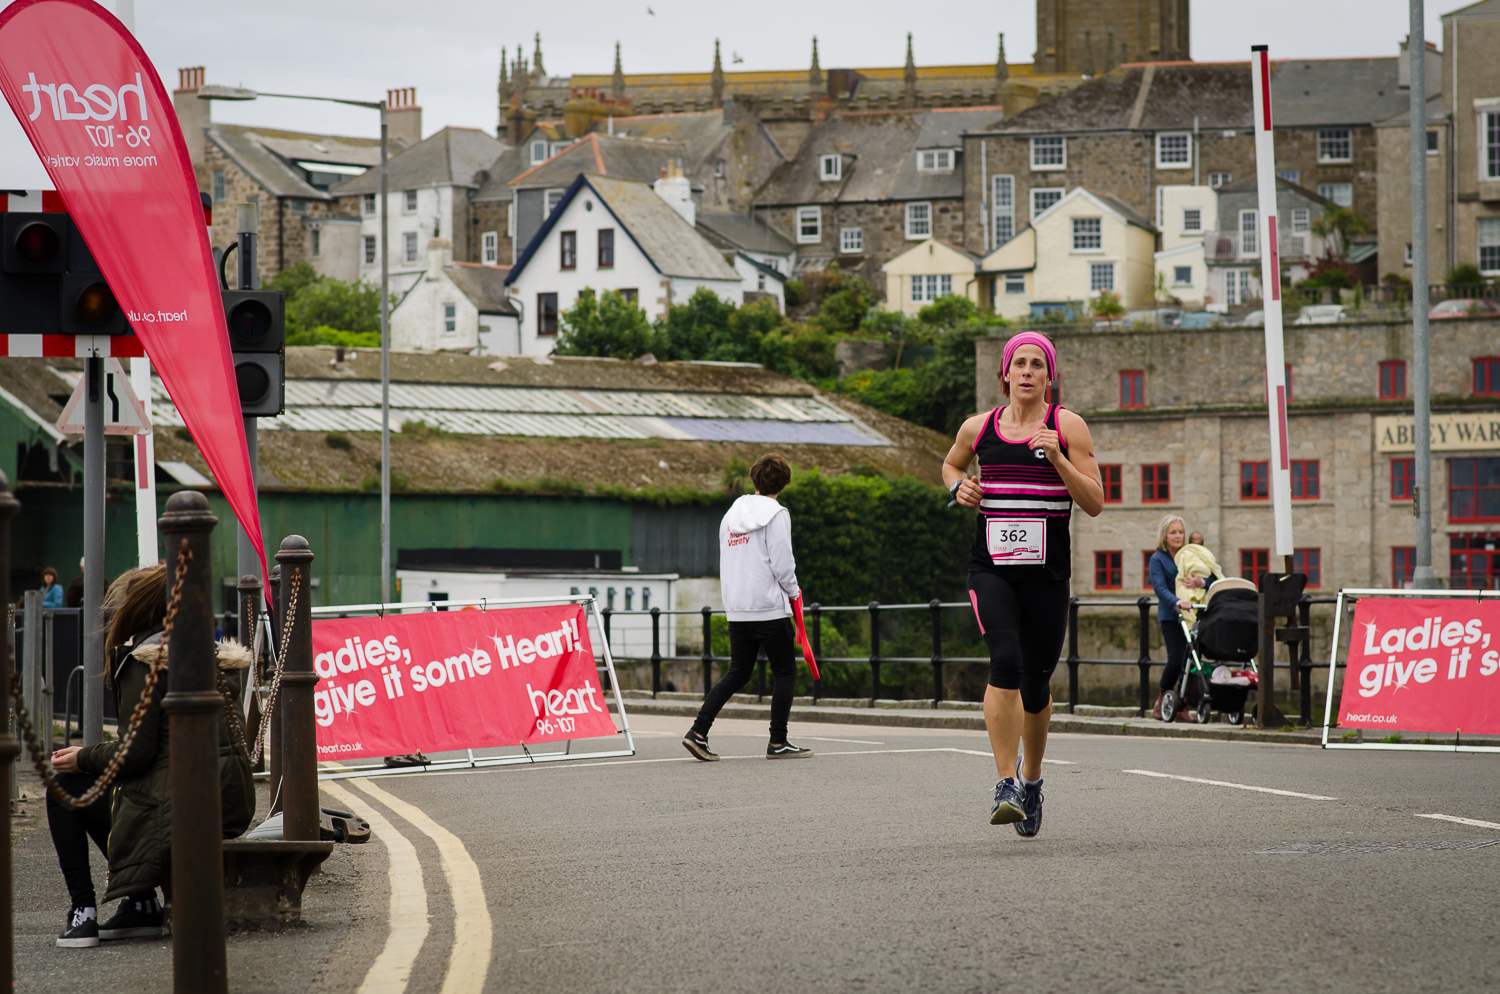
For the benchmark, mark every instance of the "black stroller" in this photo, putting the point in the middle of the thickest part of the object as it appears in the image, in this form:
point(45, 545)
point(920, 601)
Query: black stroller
point(1222, 645)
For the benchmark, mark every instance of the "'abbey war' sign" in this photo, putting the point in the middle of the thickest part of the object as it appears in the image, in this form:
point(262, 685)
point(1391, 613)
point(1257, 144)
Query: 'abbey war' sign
point(1450, 432)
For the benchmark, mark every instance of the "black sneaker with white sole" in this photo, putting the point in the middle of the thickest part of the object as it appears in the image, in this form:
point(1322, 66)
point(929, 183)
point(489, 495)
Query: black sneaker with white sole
point(1007, 807)
point(698, 746)
point(786, 751)
point(82, 930)
point(1031, 802)
point(134, 919)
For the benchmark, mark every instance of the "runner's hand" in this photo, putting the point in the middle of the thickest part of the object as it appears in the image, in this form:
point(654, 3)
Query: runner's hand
point(65, 760)
point(1046, 440)
point(968, 493)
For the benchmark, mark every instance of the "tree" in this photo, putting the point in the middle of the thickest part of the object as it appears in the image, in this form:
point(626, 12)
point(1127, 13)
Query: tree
point(321, 310)
point(1336, 226)
point(693, 328)
point(606, 325)
point(1107, 305)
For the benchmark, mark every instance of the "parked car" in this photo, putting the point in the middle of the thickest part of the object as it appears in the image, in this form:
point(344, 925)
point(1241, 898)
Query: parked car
point(1465, 307)
point(1165, 317)
point(1255, 319)
point(1322, 314)
point(1199, 320)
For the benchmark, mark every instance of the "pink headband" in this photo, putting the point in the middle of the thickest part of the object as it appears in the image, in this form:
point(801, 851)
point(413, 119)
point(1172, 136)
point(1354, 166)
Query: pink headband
point(1040, 341)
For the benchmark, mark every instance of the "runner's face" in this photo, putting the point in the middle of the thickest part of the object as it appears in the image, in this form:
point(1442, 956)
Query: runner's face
point(1174, 536)
point(1027, 374)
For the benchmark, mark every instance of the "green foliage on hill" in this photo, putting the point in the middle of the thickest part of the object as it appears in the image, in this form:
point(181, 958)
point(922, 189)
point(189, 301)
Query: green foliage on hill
point(321, 310)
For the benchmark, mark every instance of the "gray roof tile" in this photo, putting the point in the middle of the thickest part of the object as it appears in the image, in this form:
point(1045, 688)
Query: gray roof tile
point(452, 156)
point(267, 154)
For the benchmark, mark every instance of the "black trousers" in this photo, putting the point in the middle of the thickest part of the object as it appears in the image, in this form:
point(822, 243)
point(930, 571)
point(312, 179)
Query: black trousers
point(1176, 642)
point(746, 639)
point(71, 832)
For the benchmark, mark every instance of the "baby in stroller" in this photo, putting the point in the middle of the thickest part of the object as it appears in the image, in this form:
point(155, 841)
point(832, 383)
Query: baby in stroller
point(1222, 644)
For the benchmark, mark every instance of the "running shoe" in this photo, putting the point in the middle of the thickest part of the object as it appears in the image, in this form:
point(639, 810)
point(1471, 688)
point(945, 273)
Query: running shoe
point(698, 746)
point(1031, 802)
point(1007, 807)
point(82, 930)
point(786, 751)
point(134, 920)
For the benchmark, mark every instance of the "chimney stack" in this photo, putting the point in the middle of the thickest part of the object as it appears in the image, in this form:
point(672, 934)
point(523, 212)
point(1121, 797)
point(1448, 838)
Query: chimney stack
point(403, 116)
point(674, 188)
point(193, 115)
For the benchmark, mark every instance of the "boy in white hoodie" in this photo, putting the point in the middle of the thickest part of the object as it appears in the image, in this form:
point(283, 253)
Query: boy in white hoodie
point(758, 578)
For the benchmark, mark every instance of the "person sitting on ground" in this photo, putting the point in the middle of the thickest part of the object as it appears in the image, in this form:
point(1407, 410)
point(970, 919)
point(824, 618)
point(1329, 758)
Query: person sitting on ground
point(138, 824)
point(52, 591)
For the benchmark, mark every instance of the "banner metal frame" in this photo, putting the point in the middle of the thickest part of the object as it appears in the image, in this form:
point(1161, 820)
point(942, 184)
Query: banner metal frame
point(1355, 594)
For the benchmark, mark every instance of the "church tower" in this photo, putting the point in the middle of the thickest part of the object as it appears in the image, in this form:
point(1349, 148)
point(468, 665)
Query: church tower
point(1089, 36)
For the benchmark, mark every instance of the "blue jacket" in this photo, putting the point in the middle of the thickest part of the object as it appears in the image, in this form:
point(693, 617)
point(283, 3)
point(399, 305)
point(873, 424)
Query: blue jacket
point(1164, 582)
point(52, 596)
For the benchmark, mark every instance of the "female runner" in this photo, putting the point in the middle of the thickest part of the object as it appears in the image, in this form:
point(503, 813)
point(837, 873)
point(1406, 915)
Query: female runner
point(1036, 461)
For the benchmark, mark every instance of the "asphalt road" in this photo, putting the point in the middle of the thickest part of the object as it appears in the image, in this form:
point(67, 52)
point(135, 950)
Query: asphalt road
point(871, 867)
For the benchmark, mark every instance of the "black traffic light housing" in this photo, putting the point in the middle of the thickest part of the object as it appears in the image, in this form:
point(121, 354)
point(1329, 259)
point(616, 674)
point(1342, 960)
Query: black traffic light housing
point(49, 282)
point(257, 339)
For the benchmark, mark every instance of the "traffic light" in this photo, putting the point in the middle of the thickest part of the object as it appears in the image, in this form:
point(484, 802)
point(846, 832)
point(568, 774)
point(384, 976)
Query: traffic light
point(49, 282)
point(257, 338)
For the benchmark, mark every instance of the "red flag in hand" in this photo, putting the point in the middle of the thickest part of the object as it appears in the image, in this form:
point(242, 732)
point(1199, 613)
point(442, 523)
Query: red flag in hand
point(807, 653)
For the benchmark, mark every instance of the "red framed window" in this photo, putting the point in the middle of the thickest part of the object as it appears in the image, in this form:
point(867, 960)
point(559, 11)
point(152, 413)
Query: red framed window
point(1487, 377)
point(1156, 483)
point(1110, 477)
point(1254, 562)
point(1146, 568)
point(1474, 562)
point(1309, 561)
point(1305, 479)
point(1474, 489)
point(1403, 564)
point(569, 248)
point(1255, 480)
point(1132, 388)
point(1108, 570)
point(1403, 478)
point(1393, 380)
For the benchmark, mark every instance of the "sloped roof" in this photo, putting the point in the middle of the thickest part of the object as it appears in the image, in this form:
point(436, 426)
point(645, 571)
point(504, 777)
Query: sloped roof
point(1336, 91)
point(606, 155)
point(494, 180)
point(1104, 200)
point(945, 128)
point(894, 265)
point(267, 155)
point(483, 285)
point(452, 156)
point(879, 164)
point(745, 232)
point(700, 133)
point(1402, 117)
point(1482, 7)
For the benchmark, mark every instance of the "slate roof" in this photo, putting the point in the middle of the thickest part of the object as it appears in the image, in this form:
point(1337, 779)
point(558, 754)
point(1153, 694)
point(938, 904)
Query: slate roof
point(483, 285)
point(699, 133)
point(745, 232)
point(494, 180)
point(1336, 91)
point(638, 159)
point(452, 156)
point(1435, 112)
point(268, 155)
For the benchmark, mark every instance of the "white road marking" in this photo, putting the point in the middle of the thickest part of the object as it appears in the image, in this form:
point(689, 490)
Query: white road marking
point(987, 755)
point(391, 970)
point(1236, 786)
point(469, 963)
point(1464, 821)
point(818, 738)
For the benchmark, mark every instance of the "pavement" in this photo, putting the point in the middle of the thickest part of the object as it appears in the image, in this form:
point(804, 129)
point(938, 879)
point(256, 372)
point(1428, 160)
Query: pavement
point(1162, 865)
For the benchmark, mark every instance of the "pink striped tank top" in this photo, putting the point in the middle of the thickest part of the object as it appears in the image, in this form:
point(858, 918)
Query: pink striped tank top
point(1025, 511)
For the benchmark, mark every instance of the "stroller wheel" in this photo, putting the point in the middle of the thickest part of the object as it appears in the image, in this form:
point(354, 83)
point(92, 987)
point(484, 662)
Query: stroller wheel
point(1235, 717)
point(1204, 711)
point(1169, 705)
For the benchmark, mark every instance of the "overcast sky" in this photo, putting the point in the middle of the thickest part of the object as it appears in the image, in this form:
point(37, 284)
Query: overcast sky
point(450, 49)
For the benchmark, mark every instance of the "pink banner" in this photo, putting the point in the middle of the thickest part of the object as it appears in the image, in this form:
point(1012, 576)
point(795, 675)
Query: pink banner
point(1430, 665)
point(105, 129)
point(455, 680)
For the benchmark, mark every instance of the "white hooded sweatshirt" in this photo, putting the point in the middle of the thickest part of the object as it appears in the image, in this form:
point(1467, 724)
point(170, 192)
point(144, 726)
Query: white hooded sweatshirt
point(757, 572)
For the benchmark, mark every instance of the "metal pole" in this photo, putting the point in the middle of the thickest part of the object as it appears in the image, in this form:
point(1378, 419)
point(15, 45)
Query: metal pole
point(708, 651)
point(1143, 604)
point(385, 370)
point(9, 748)
point(194, 709)
point(655, 652)
point(874, 608)
point(299, 761)
point(93, 553)
point(936, 607)
point(1416, 49)
point(248, 218)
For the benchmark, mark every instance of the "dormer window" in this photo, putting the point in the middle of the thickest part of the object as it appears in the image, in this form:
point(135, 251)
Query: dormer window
point(831, 168)
point(935, 160)
point(538, 152)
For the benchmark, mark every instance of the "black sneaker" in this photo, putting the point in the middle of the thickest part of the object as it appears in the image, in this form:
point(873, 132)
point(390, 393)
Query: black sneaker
point(1007, 807)
point(1031, 802)
point(135, 919)
point(786, 751)
point(82, 930)
point(698, 746)
point(411, 759)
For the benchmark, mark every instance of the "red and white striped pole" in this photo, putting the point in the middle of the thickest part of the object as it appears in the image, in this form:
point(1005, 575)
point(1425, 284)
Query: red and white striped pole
point(1270, 291)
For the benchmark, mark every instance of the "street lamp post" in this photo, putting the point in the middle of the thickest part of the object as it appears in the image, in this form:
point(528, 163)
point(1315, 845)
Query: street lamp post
point(238, 93)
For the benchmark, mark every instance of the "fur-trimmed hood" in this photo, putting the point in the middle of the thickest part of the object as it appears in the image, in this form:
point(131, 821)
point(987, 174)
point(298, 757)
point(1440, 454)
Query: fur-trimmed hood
point(231, 655)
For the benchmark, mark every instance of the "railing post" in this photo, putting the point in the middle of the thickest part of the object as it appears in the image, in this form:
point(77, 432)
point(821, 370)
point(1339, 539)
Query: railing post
point(936, 607)
point(655, 652)
point(247, 610)
point(273, 734)
point(1304, 658)
point(817, 647)
point(1144, 662)
point(10, 748)
point(299, 761)
point(604, 614)
point(708, 650)
point(193, 705)
point(874, 607)
point(1072, 654)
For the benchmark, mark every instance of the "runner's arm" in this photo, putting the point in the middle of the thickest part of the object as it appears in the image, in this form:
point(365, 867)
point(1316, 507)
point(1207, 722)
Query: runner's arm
point(1079, 471)
point(956, 463)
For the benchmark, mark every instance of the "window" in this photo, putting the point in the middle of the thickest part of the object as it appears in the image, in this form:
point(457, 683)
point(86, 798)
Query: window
point(1474, 489)
point(1192, 220)
point(1182, 275)
point(1393, 380)
point(1403, 564)
point(297, 207)
point(367, 204)
point(1406, 255)
point(1004, 209)
point(538, 152)
point(1403, 478)
point(568, 244)
point(1254, 562)
point(369, 250)
point(928, 288)
point(809, 224)
point(830, 168)
point(606, 248)
point(409, 204)
point(1334, 145)
point(1217, 180)
point(1043, 198)
point(411, 246)
point(1474, 562)
point(1290, 175)
point(1249, 242)
point(1101, 276)
point(1156, 483)
point(546, 314)
point(556, 147)
point(1340, 193)
point(1088, 235)
point(1174, 150)
point(1133, 388)
point(1255, 480)
point(1486, 377)
point(1108, 570)
point(629, 295)
point(760, 281)
point(1237, 286)
point(1110, 477)
point(919, 220)
point(317, 242)
point(718, 167)
point(1301, 220)
point(1049, 153)
point(1489, 137)
point(1015, 283)
point(219, 193)
point(450, 318)
point(1309, 561)
point(851, 241)
point(935, 160)
point(1432, 143)
point(554, 197)
point(1305, 479)
point(1488, 229)
point(1146, 555)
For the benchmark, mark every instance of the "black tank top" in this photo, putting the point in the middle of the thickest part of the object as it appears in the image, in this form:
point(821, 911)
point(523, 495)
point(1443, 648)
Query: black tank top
point(1023, 521)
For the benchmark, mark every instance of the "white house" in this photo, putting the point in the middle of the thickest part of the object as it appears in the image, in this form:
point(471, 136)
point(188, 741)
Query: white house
point(764, 259)
point(621, 235)
point(456, 307)
point(1184, 216)
point(930, 269)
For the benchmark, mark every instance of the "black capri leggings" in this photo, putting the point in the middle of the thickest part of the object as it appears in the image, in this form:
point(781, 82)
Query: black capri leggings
point(1024, 623)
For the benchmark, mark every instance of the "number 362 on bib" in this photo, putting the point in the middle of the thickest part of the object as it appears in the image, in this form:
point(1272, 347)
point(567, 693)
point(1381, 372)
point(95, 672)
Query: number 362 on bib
point(1017, 541)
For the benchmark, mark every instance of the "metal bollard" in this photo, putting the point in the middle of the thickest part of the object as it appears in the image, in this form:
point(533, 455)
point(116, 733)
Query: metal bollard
point(1144, 662)
point(1304, 659)
point(874, 607)
point(10, 748)
point(655, 652)
point(1072, 654)
point(936, 607)
point(299, 759)
point(604, 615)
point(817, 647)
point(708, 650)
point(193, 705)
